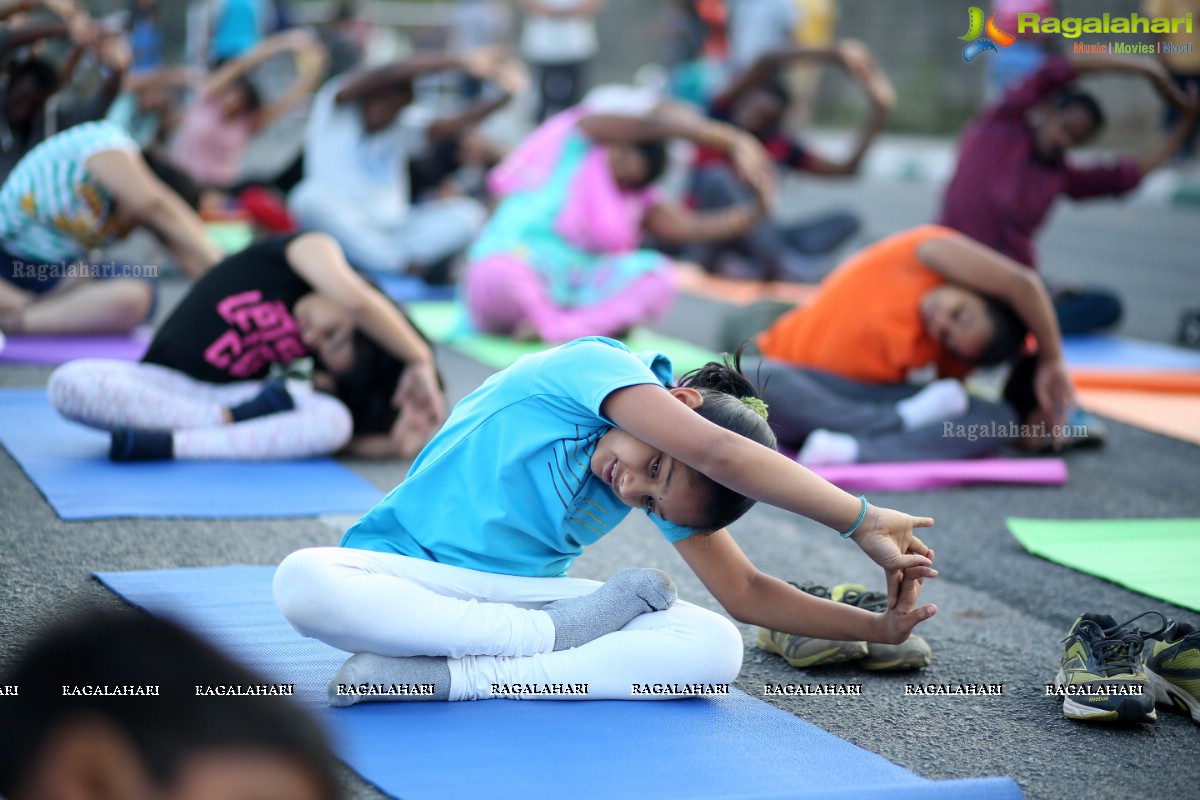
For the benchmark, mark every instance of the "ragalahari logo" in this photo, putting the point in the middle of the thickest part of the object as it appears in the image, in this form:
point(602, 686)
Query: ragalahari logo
point(995, 35)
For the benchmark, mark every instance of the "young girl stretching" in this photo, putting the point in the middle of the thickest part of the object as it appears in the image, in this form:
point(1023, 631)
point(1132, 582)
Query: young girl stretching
point(457, 578)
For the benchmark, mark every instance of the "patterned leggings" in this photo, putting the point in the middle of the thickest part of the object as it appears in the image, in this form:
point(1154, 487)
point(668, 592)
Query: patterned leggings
point(108, 394)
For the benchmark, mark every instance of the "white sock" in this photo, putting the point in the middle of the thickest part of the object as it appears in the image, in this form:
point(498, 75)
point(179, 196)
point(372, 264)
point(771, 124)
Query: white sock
point(944, 399)
point(827, 447)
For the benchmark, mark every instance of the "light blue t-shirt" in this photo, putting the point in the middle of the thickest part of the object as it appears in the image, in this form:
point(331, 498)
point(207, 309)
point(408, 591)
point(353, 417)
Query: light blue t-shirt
point(505, 487)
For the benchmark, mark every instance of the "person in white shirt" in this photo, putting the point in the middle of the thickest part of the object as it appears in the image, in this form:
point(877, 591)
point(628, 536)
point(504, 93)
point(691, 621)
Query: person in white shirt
point(363, 130)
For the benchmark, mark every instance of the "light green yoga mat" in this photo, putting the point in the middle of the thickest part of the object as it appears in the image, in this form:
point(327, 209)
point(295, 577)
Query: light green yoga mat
point(1155, 557)
point(229, 236)
point(442, 322)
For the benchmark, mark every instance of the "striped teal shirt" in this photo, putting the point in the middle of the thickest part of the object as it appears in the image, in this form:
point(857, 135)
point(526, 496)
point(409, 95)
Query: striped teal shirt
point(51, 209)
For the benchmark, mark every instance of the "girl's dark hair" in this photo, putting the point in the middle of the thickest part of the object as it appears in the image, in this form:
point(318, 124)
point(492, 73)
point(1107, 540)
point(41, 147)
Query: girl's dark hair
point(368, 388)
point(1008, 335)
point(167, 730)
point(654, 152)
point(250, 92)
point(723, 387)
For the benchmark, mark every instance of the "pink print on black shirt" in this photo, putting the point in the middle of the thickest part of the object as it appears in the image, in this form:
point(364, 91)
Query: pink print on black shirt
point(263, 332)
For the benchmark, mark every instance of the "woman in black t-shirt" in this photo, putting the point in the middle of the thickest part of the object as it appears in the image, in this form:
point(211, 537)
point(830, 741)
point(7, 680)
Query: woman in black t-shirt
point(216, 381)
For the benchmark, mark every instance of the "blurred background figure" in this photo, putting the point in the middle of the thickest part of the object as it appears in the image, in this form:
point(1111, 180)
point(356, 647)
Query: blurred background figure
point(60, 746)
point(1183, 64)
point(229, 111)
point(757, 101)
point(145, 35)
point(236, 27)
point(694, 47)
point(558, 40)
point(757, 27)
point(364, 130)
point(1009, 65)
point(344, 37)
point(815, 28)
point(29, 110)
point(475, 24)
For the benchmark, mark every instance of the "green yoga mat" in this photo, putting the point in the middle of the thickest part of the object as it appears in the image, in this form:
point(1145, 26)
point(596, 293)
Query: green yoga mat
point(229, 236)
point(1154, 557)
point(442, 322)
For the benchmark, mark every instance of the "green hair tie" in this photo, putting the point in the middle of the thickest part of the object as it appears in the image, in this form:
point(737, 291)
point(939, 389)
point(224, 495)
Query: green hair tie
point(756, 405)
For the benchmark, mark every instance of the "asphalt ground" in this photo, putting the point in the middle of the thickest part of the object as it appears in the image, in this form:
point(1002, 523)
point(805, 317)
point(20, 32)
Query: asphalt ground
point(1002, 612)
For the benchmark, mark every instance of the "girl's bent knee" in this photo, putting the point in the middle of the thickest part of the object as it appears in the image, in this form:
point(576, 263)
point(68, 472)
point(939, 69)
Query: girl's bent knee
point(299, 585)
point(727, 650)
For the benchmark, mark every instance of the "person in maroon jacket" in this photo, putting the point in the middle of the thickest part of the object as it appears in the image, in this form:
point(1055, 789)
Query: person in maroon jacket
point(1013, 165)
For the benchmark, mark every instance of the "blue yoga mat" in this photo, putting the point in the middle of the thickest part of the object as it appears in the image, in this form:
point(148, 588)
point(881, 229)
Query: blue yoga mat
point(409, 289)
point(69, 464)
point(735, 747)
point(1115, 352)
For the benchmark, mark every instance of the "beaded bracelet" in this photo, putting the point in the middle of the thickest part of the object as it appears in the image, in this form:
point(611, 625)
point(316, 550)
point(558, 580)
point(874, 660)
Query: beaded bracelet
point(861, 516)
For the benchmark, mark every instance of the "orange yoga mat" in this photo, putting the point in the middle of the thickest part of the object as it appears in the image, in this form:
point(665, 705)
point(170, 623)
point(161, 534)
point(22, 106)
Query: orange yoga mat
point(694, 280)
point(1171, 414)
point(1136, 380)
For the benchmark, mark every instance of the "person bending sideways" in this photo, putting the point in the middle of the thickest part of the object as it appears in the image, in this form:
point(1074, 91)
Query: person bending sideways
point(553, 453)
point(32, 108)
point(363, 131)
point(757, 101)
point(561, 258)
point(79, 191)
point(228, 112)
point(178, 745)
point(850, 376)
point(1013, 164)
point(225, 376)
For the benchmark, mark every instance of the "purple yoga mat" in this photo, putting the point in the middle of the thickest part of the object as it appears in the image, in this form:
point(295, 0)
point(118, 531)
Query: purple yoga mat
point(911, 476)
point(54, 350)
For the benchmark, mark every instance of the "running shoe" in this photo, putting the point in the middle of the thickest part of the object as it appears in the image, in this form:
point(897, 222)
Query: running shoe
point(1172, 663)
point(804, 651)
point(912, 653)
point(1101, 676)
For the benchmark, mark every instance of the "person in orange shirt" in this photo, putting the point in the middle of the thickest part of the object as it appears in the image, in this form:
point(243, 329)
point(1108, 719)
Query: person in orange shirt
point(842, 374)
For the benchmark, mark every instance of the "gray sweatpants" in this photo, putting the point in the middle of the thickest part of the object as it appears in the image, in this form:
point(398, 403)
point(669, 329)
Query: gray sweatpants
point(803, 400)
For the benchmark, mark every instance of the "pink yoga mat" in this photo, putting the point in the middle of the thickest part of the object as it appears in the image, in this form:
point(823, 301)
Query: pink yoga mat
point(911, 476)
point(54, 350)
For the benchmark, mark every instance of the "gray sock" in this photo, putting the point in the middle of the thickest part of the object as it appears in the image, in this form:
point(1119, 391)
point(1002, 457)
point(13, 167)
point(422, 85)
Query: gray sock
point(628, 594)
point(367, 677)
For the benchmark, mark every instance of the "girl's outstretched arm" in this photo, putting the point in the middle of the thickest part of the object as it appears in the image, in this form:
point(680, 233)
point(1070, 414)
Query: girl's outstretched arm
point(666, 421)
point(755, 598)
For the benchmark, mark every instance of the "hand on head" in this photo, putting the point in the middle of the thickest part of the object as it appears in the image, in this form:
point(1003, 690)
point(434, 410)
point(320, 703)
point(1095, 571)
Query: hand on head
point(887, 537)
point(482, 61)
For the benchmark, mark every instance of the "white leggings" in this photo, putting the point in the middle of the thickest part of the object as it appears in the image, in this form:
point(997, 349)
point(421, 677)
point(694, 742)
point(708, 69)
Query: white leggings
point(489, 626)
point(109, 394)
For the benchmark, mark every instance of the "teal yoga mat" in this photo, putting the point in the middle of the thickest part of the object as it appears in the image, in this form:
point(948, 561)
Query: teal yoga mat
point(1154, 557)
point(735, 747)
